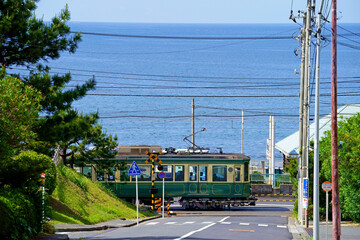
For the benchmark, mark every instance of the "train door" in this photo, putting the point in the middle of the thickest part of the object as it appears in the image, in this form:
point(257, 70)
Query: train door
point(198, 179)
point(238, 179)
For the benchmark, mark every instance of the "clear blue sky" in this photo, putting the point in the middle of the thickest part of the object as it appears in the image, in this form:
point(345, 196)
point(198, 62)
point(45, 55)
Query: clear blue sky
point(188, 11)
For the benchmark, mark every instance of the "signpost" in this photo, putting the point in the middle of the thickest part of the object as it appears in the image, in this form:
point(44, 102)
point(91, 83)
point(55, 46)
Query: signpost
point(327, 186)
point(306, 199)
point(162, 176)
point(134, 170)
point(43, 201)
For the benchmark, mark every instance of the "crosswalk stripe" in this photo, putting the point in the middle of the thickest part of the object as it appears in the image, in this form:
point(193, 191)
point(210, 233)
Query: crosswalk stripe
point(152, 223)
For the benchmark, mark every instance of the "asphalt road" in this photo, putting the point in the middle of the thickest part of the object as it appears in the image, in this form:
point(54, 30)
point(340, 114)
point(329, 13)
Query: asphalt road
point(264, 221)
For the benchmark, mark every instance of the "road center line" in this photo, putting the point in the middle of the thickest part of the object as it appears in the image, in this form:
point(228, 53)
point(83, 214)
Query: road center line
point(191, 233)
point(223, 219)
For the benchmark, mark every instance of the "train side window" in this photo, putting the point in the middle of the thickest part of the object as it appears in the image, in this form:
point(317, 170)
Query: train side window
point(192, 173)
point(179, 173)
point(124, 174)
point(111, 174)
point(237, 174)
point(203, 173)
point(246, 171)
point(145, 174)
point(219, 174)
point(167, 169)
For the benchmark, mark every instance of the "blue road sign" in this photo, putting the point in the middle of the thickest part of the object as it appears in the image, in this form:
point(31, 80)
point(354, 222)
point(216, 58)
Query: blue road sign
point(305, 192)
point(134, 170)
point(161, 175)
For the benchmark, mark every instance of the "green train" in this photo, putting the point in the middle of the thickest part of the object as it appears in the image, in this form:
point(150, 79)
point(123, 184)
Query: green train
point(197, 181)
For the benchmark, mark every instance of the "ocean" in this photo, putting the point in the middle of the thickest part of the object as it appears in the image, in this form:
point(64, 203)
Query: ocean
point(147, 75)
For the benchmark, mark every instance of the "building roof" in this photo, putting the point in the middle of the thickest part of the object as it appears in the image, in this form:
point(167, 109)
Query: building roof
point(289, 146)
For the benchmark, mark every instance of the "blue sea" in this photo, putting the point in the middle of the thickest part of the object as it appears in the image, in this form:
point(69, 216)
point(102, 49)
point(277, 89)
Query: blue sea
point(147, 75)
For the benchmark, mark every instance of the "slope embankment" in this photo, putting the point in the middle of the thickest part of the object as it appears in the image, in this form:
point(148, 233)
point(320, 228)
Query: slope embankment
point(77, 200)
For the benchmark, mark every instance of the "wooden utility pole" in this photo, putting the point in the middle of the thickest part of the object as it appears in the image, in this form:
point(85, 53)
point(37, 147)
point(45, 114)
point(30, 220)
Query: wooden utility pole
point(334, 144)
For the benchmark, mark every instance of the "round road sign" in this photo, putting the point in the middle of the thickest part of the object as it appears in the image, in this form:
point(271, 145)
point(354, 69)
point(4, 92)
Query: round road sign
point(326, 186)
point(161, 175)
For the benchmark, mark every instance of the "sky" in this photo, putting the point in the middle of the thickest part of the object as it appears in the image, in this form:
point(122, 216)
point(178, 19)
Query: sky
point(188, 11)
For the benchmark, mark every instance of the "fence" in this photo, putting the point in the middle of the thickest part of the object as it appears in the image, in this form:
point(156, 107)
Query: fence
point(258, 178)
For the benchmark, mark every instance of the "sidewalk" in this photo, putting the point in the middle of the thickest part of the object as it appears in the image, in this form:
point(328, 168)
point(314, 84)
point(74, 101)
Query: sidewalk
point(349, 231)
point(62, 230)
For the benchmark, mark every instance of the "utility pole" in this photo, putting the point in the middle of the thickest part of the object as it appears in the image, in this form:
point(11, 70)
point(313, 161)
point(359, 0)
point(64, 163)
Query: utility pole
point(271, 150)
point(305, 146)
point(242, 131)
point(334, 144)
point(301, 117)
point(304, 109)
point(193, 124)
point(316, 234)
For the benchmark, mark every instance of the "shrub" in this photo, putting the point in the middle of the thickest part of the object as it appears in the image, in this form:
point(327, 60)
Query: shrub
point(19, 219)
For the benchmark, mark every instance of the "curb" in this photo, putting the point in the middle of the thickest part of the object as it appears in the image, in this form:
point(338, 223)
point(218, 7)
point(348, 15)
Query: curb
point(140, 221)
point(97, 227)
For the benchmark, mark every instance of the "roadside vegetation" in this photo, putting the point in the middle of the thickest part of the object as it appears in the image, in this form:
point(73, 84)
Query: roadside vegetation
point(349, 174)
point(77, 200)
point(36, 117)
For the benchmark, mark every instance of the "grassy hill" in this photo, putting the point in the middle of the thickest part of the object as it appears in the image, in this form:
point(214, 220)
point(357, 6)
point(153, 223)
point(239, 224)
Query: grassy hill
point(77, 200)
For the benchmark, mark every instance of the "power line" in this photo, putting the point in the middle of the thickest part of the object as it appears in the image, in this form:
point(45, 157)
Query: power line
point(185, 37)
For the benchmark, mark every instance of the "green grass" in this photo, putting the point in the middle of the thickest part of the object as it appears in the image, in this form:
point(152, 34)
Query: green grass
point(77, 200)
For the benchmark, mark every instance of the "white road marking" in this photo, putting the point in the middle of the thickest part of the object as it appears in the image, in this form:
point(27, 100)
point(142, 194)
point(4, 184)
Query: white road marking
point(280, 226)
point(225, 223)
point(188, 222)
point(191, 233)
point(223, 219)
point(263, 225)
point(245, 224)
point(274, 205)
point(170, 223)
point(207, 222)
point(152, 223)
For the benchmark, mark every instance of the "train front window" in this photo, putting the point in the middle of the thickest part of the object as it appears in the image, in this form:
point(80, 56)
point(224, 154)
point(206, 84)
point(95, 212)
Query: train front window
point(203, 173)
point(219, 173)
point(179, 173)
point(192, 173)
point(237, 174)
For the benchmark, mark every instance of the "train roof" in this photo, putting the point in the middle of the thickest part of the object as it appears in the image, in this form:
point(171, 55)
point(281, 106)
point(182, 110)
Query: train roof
point(226, 156)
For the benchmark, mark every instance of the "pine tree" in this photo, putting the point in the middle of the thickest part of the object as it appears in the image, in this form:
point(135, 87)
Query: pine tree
point(28, 41)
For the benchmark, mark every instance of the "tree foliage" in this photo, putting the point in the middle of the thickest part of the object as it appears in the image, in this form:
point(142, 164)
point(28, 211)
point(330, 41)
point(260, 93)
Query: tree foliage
point(25, 39)
point(19, 107)
point(349, 165)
